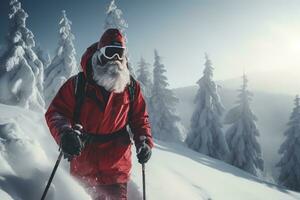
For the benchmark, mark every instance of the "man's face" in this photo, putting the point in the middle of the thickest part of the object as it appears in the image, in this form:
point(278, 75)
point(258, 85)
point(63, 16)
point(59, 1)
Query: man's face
point(112, 74)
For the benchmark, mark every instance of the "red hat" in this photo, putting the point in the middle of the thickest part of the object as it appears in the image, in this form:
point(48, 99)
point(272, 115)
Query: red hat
point(111, 37)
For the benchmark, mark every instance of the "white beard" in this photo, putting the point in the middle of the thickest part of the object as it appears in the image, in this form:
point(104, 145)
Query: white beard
point(114, 76)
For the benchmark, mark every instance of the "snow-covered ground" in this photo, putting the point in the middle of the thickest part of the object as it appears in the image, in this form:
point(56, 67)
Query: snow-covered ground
point(28, 153)
point(176, 172)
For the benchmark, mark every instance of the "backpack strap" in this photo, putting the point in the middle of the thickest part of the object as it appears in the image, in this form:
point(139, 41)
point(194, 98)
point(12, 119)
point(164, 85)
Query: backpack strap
point(80, 86)
point(131, 90)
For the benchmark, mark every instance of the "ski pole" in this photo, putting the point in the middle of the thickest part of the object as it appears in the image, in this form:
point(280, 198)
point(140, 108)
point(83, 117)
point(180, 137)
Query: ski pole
point(143, 138)
point(52, 175)
point(76, 127)
point(144, 181)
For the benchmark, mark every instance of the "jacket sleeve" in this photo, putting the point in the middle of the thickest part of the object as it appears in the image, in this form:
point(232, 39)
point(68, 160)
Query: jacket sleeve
point(59, 115)
point(139, 119)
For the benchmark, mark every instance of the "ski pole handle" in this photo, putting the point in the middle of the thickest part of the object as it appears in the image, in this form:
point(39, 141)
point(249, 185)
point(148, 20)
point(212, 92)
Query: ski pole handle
point(143, 139)
point(78, 129)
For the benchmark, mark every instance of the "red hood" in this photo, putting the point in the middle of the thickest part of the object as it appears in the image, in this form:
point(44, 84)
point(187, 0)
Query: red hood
point(86, 57)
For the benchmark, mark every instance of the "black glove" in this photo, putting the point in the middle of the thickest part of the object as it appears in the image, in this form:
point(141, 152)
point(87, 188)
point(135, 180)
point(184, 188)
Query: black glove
point(144, 153)
point(70, 143)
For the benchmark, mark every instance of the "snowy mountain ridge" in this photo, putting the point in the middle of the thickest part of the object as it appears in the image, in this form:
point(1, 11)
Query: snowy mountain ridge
point(284, 81)
point(28, 153)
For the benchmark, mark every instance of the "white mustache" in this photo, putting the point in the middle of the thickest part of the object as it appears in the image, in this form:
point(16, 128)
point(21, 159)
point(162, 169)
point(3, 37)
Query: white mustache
point(114, 69)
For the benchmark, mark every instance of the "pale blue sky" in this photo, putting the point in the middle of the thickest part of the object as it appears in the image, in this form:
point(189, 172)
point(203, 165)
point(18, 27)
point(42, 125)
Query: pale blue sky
point(254, 36)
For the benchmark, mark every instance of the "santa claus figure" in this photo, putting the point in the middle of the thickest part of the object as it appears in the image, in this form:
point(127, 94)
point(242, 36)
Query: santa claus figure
point(102, 101)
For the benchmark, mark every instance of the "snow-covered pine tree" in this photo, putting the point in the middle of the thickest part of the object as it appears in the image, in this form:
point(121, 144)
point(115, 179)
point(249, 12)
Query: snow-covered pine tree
point(144, 77)
point(114, 19)
point(164, 121)
point(21, 71)
point(289, 163)
point(241, 135)
point(63, 65)
point(206, 135)
point(43, 56)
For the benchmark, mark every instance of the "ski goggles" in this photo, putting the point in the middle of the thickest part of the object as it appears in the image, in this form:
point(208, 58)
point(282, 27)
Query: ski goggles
point(109, 52)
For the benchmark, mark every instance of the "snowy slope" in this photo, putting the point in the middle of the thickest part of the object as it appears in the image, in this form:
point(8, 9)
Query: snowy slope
point(28, 153)
point(176, 172)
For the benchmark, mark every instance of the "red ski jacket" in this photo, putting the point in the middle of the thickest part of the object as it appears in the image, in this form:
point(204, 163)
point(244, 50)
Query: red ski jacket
point(107, 163)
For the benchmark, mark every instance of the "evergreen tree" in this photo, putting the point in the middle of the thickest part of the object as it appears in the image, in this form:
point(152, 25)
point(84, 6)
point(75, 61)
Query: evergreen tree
point(63, 65)
point(206, 134)
point(164, 121)
point(43, 56)
point(21, 71)
point(144, 77)
point(289, 163)
point(241, 136)
point(114, 19)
